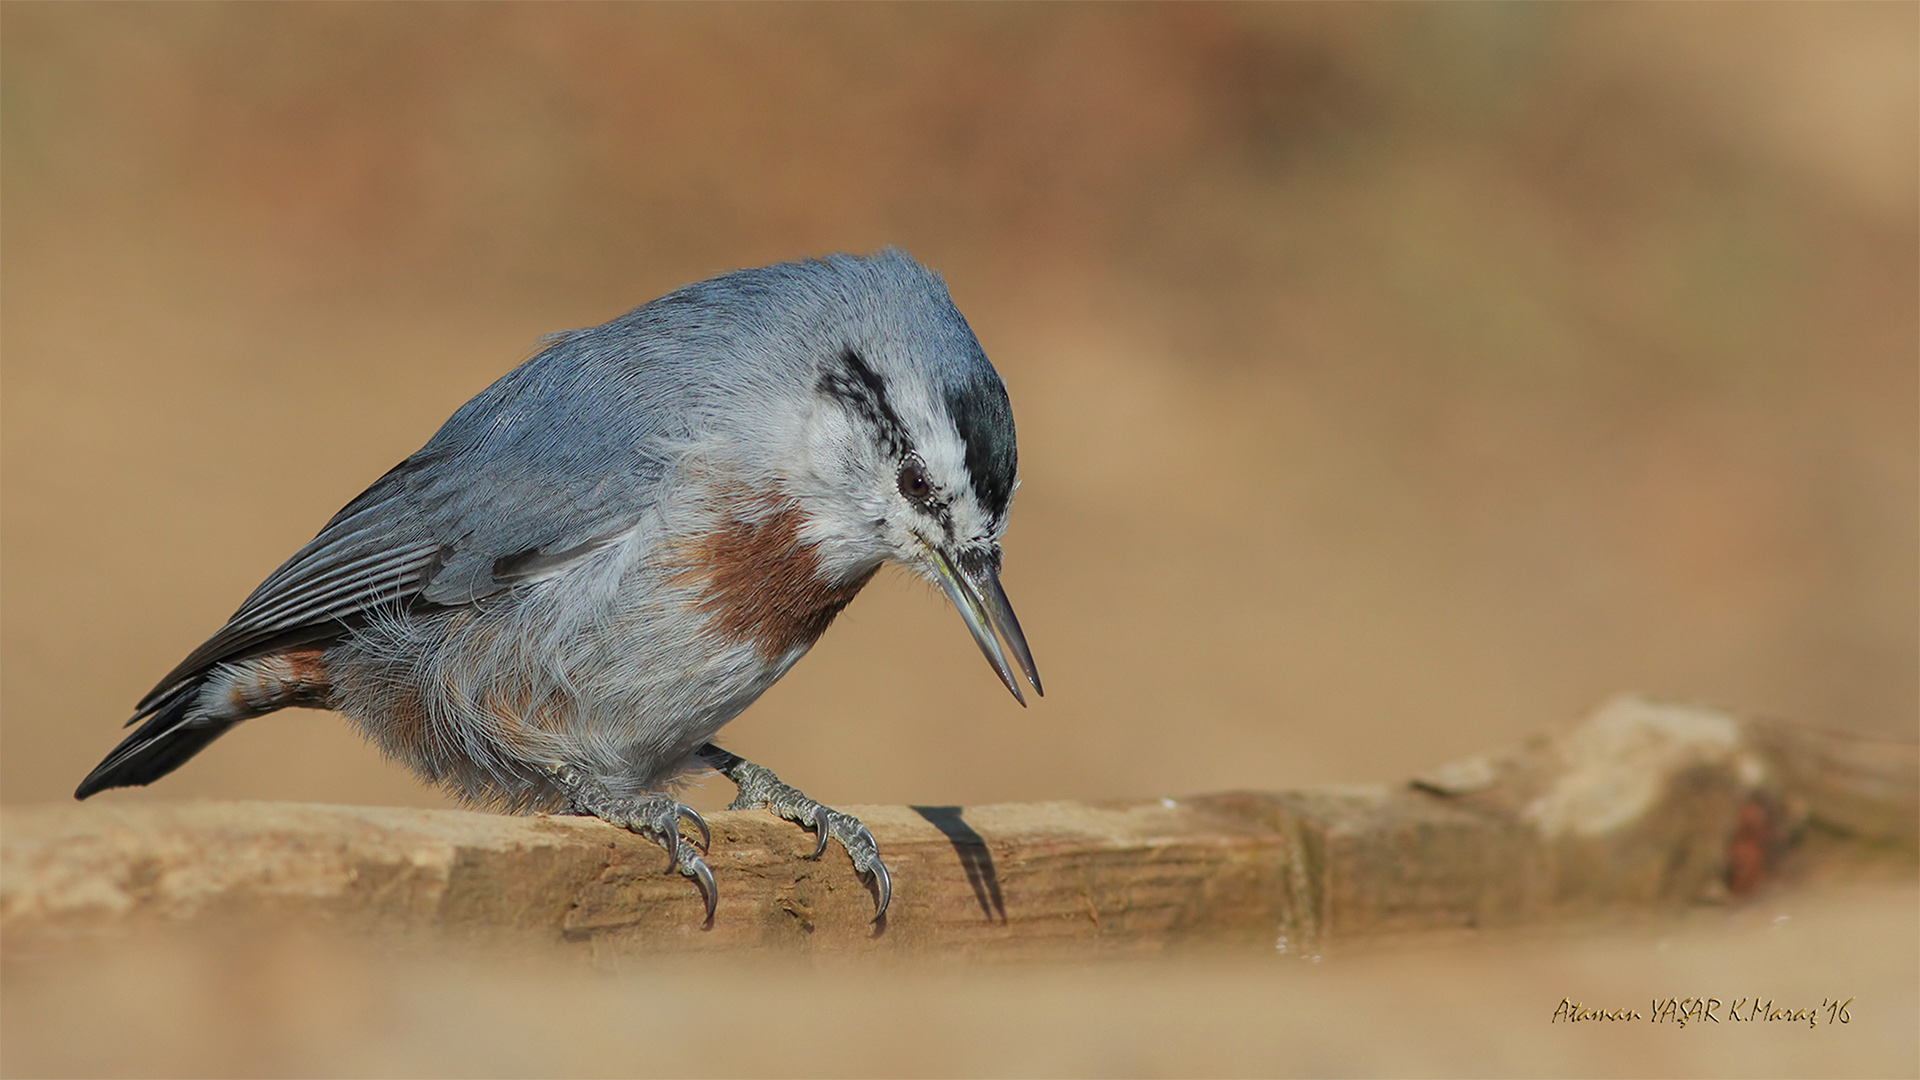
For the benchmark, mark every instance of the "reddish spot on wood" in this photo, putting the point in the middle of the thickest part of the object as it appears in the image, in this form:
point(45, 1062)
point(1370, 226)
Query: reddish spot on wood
point(1748, 853)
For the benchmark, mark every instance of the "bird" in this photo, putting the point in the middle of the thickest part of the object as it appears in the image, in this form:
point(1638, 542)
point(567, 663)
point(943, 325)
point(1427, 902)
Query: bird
point(602, 558)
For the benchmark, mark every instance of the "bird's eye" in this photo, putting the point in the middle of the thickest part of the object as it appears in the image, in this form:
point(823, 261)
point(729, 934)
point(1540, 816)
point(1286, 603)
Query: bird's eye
point(914, 483)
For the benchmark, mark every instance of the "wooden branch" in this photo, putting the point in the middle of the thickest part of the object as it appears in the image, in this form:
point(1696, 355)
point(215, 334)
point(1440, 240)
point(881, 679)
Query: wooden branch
point(1642, 806)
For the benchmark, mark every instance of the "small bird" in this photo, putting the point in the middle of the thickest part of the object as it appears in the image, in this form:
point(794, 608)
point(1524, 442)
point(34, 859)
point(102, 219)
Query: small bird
point(558, 601)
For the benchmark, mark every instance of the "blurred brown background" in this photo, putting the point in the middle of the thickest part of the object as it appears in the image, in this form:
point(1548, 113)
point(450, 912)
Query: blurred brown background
point(1391, 380)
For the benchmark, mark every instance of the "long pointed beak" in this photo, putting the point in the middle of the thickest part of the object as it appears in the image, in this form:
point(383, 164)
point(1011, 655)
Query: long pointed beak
point(974, 588)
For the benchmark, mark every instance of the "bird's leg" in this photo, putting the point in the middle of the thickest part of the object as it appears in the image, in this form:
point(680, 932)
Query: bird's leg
point(656, 817)
point(760, 788)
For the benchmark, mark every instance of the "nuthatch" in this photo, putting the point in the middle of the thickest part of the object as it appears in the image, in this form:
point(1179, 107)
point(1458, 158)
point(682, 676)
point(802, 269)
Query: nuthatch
point(602, 558)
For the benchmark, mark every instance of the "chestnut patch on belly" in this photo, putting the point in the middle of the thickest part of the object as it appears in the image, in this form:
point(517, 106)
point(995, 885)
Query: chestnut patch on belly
point(762, 585)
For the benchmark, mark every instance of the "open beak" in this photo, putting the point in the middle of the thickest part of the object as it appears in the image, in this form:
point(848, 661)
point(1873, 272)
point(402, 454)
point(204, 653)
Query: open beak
point(973, 584)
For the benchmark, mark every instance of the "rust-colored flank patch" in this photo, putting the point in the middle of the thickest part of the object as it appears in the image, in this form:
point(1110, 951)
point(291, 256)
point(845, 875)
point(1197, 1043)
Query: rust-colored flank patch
point(291, 677)
point(763, 585)
point(306, 668)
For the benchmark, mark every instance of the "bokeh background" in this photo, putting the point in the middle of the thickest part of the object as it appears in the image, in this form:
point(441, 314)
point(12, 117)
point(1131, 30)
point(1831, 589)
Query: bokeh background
point(1391, 380)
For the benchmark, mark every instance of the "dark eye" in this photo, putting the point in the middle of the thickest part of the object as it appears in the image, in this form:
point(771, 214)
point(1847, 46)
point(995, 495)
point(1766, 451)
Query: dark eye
point(914, 483)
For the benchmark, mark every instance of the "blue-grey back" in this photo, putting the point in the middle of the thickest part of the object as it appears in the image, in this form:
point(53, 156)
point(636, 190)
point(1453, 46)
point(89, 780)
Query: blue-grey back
point(573, 446)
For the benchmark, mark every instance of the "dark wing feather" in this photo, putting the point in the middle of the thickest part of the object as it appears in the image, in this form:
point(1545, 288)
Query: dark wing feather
point(357, 561)
point(538, 470)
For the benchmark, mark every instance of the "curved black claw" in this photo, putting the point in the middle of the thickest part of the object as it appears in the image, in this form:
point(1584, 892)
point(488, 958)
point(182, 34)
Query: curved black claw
point(706, 835)
point(697, 869)
point(665, 826)
point(820, 815)
point(883, 885)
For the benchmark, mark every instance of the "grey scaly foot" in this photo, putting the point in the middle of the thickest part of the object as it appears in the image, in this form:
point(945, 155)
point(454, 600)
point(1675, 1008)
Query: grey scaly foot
point(760, 788)
point(656, 817)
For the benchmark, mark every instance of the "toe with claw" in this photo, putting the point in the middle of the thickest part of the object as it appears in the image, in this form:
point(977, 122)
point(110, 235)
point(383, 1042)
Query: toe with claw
point(862, 849)
point(761, 789)
point(656, 817)
point(681, 854)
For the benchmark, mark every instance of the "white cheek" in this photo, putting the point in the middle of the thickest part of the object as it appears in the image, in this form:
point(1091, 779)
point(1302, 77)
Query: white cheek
point(826, 441)
point(838, 478)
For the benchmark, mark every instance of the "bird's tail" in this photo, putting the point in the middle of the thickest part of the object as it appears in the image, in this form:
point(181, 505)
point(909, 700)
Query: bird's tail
point(172, 733)
point(182, 719)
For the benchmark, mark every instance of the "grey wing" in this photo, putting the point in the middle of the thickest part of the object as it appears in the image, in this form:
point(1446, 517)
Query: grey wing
point(525, 478)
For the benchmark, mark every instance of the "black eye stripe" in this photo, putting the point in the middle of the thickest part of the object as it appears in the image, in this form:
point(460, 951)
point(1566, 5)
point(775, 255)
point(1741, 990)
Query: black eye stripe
point(860, 387)
point(853, 382)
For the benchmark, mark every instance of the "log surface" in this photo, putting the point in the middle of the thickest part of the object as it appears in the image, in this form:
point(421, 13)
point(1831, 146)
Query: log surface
point(1643, 806)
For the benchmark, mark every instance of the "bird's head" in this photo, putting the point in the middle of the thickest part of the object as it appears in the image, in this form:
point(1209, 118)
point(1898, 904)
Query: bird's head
point(909, 451)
